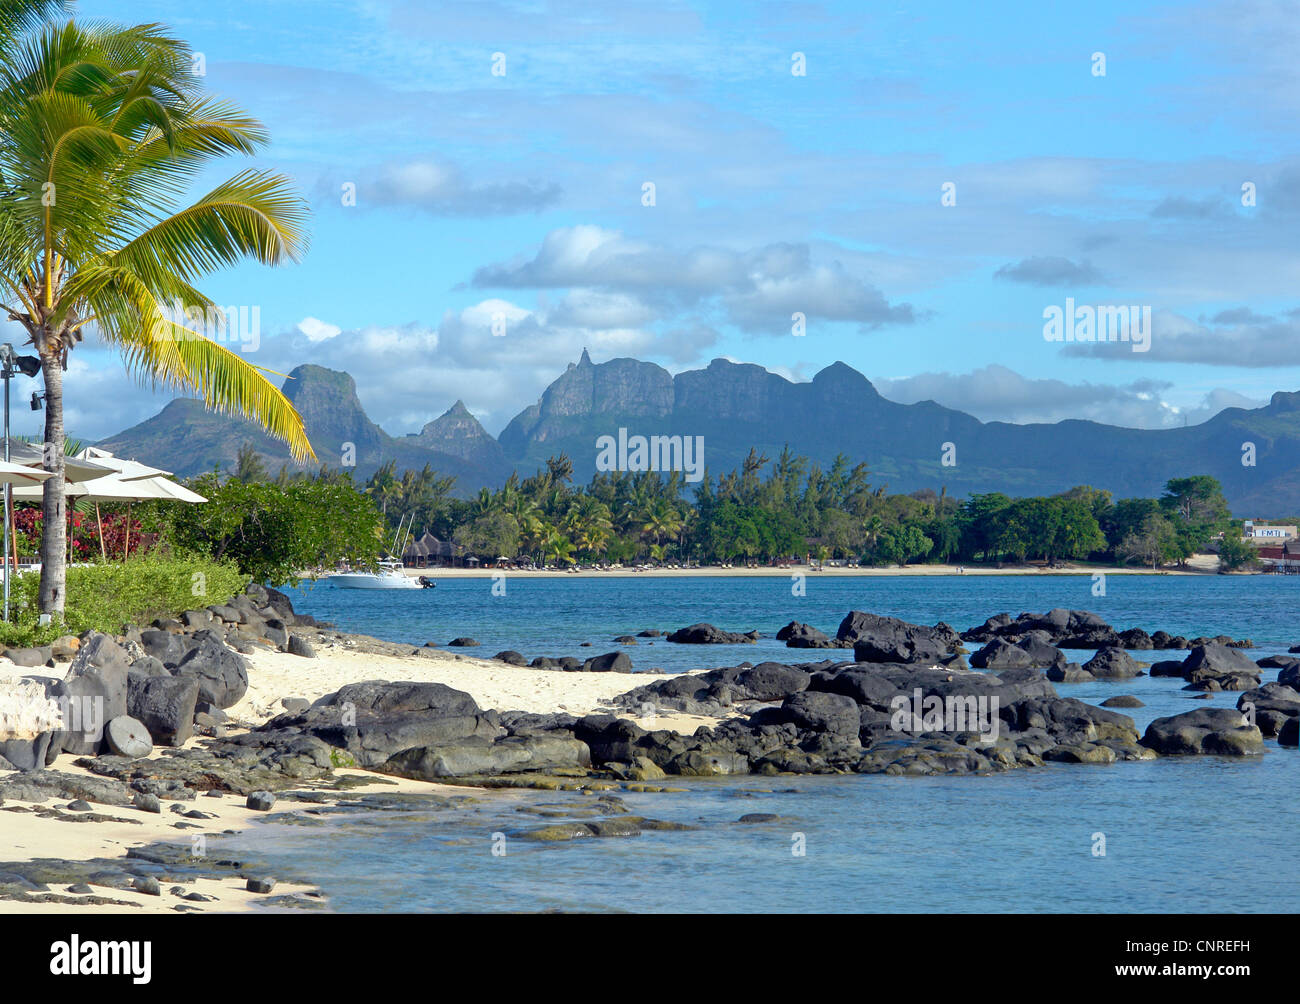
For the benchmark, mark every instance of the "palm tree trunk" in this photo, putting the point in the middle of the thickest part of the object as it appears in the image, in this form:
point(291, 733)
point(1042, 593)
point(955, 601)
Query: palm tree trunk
point(54, 532)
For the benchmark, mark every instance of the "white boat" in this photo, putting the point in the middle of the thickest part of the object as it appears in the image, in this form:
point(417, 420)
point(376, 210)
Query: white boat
point(389, 576)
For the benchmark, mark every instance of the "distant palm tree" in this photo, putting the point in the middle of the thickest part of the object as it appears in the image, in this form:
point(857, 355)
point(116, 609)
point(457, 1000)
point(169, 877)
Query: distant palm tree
point(383, 486)
point(100, 130)
point(249, 466)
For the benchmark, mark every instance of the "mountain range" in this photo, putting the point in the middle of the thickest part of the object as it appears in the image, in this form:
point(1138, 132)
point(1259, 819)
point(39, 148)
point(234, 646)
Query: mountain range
point(736, 406)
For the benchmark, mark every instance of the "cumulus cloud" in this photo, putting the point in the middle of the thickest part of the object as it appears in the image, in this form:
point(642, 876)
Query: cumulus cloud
point(1049, 270)
point(756, 290)
point(1237, 337)
point(998, 394)
point(441, 189)
point(317, 330)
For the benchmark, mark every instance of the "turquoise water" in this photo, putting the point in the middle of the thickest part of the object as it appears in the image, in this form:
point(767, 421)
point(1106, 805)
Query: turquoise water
point(1197, 835)
point(553, 616)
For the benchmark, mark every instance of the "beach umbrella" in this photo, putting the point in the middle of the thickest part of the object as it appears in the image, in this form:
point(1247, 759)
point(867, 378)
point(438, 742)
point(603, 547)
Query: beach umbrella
point(17, 474)
point(120, 480)
point(32, 455)
point(127, 470)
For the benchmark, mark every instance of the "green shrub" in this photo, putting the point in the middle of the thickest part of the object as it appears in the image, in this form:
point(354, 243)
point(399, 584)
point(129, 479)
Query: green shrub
point(104, 597)
point(275, 532)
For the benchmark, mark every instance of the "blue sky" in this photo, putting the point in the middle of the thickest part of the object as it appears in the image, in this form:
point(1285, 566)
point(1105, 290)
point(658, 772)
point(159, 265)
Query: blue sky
point(519, 197)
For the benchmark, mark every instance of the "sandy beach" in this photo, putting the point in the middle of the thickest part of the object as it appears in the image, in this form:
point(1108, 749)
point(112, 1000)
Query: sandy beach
point(1200, 564)
point(26, 836)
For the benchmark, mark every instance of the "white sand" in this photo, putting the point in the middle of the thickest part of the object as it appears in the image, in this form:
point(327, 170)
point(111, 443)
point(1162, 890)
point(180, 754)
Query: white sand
point(1197, 565)
point(25, 836)
point(493, 684)
point(272, 676)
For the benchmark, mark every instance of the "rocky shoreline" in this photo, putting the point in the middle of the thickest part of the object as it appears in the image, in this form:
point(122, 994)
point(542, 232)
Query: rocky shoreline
point(907, 703)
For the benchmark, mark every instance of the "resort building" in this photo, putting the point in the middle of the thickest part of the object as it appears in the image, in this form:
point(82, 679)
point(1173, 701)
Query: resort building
point(1263, 534)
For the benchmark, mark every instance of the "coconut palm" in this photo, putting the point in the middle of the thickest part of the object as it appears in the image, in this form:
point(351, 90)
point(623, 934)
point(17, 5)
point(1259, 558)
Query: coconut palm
point(101, 130)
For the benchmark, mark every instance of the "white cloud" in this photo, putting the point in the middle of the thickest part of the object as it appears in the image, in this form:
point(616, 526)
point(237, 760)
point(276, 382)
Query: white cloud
point(998, 394)
point(317, 330)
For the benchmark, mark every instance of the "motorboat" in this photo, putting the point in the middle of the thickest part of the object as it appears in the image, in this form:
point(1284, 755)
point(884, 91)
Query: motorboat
point(389, 576)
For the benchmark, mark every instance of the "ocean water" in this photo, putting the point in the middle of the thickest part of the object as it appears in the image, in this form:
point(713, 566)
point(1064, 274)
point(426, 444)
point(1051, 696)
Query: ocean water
point(554, 616)
point(1180, 834)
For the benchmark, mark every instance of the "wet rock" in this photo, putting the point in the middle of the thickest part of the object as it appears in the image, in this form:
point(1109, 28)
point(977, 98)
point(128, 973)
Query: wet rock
point(511, 658)
point(887, 639)
point(476, 755)
point(610, 662)
point(1063, 628)
point(1071, 672)
point(1218, 731)
point(1001, 654)
point(463, 643)
point(260, 885)
point(1112, 663)
point(1122, 701)
point(770, 681)
point(1136, 639)
point(372, 721)
point(261, 801)
point(1081, 753)
point(798, 635)
point(822, 712)
point(707, 634)
point(1216, 660)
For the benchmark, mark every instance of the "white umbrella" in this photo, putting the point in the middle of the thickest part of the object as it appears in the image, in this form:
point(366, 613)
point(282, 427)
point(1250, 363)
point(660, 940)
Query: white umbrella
point(127, 470)
point(127, 481)
point(32, 455)
point(17, 474)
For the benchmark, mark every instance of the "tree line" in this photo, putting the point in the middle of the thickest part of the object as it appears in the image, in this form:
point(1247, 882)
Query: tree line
point(792, 508)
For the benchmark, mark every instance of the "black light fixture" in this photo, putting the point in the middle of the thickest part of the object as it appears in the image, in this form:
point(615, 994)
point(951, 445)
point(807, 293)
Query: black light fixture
point(28, 365)
point(36, 401)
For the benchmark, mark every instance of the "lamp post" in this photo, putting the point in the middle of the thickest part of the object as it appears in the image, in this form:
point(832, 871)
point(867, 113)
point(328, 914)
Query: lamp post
point(10, 363)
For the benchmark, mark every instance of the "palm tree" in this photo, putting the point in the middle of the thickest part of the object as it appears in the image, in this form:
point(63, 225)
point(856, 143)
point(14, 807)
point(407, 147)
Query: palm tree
point(249, 466)
point(383, 486)
point(101, 128)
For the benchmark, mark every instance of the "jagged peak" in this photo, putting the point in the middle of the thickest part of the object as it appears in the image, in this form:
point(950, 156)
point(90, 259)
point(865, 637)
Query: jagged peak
point(456, 417)
point(1285, 400)
point(585, 359)
point(841, 372)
